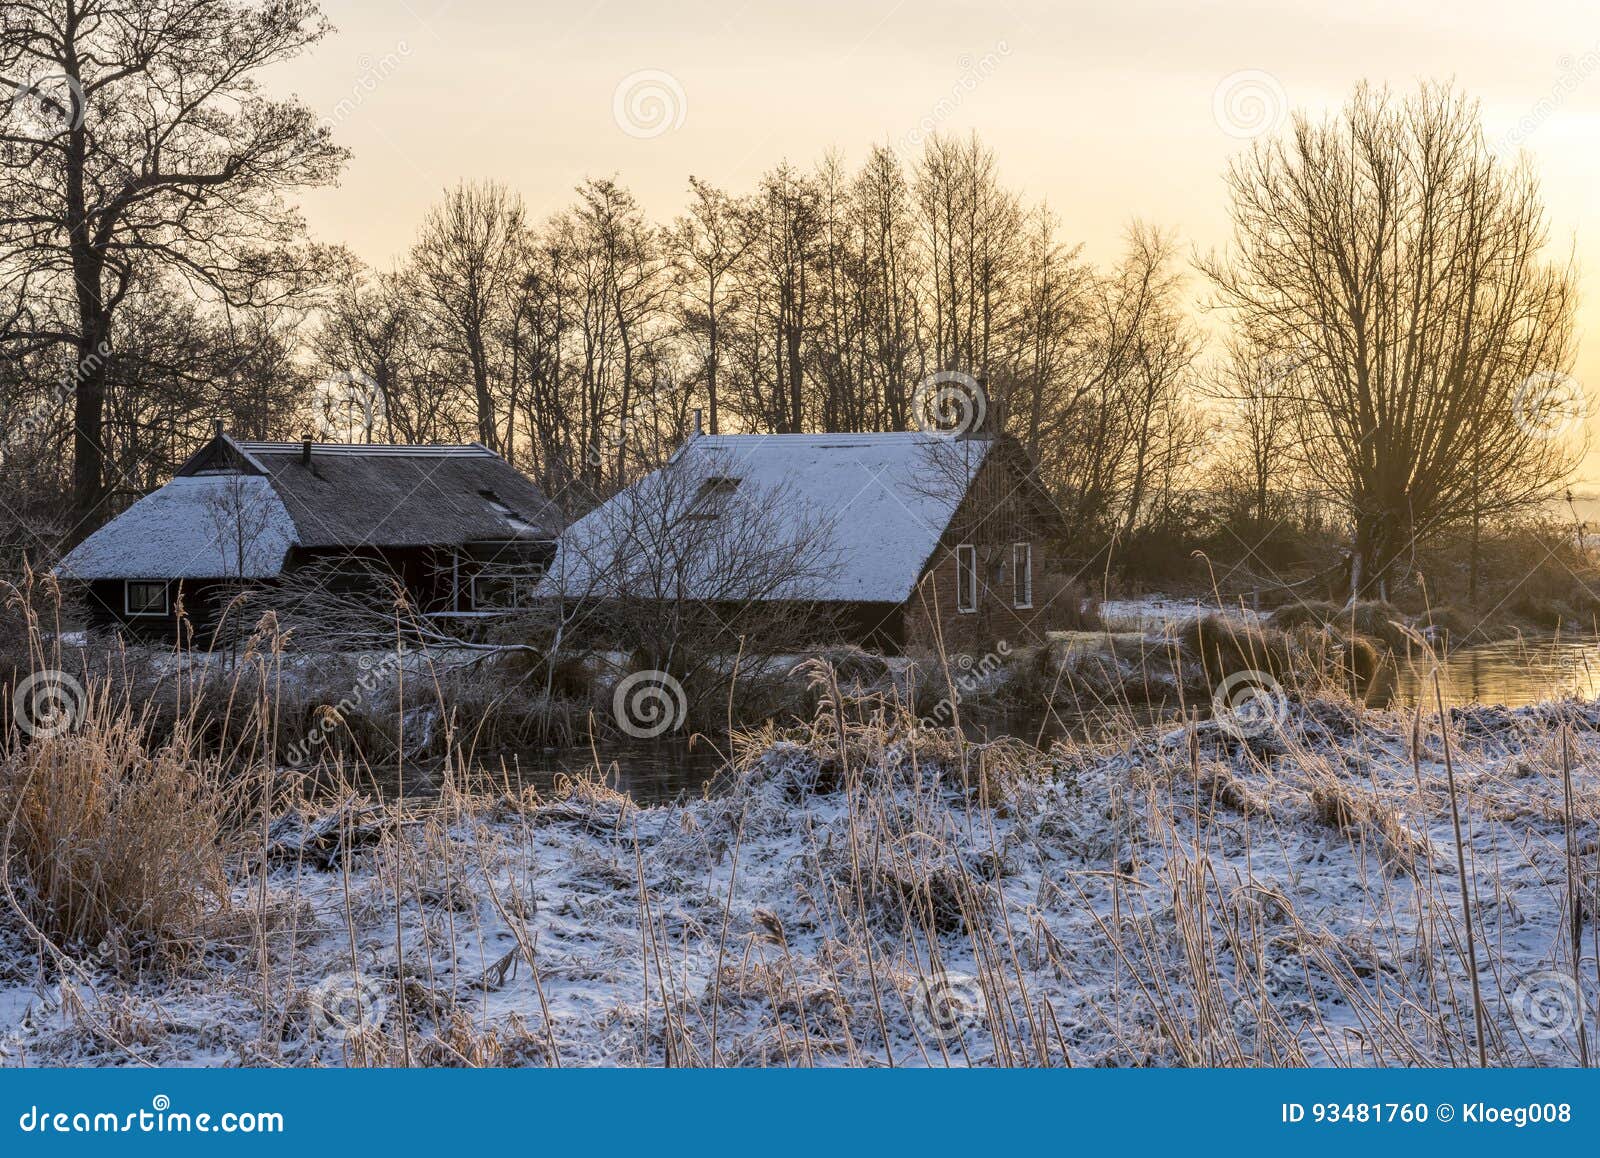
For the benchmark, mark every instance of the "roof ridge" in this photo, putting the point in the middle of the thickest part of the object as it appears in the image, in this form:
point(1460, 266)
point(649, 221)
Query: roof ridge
point(825, 435)
point(399, 449)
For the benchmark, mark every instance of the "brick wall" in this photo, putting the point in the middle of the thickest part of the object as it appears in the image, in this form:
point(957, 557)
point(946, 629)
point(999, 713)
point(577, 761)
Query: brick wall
point(1001, 508)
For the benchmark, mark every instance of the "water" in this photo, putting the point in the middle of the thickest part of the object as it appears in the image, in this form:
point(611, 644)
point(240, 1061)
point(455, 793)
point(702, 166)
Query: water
point(1511, 673)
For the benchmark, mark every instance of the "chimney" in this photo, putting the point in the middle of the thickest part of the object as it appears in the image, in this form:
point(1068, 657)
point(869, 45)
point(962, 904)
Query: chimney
point(695, 431)
point(216, 428)
point(305, 452)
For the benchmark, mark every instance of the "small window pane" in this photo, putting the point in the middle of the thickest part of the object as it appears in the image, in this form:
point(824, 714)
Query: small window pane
point(147, 598)
point(1022, 575)
point(966, 577)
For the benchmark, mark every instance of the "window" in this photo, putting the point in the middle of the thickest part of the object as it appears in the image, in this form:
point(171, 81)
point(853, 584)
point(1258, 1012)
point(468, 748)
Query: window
point(712, 498)
point(144, 597)
point(495, 593)
point(966, 577)
point(1022, 575)
point(499, 591)
point(496, 505)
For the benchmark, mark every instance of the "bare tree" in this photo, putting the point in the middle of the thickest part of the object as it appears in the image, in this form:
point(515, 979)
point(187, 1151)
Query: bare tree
point(150, 143)
point(686, 569)
point(708, 243)
point(1261, 455)
point(466, 266)
point(972, 226)
point(788, 233)
point(1396, 248)
point(1164, 348)
point(1053, 321)
point(372, 330)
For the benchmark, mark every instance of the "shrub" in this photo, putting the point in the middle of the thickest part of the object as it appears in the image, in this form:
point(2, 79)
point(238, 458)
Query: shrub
point(1070, 606)
point(851, 664)
point(1447, 620)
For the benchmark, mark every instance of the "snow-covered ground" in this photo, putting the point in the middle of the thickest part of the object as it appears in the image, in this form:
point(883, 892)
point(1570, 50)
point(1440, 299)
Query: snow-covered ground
point(1156, 613)
point(1175, 898)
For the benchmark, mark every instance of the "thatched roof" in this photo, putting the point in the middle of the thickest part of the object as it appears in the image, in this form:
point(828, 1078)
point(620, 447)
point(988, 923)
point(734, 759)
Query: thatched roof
point(403, 496)
point(873, 507)
point(267, 496)
point(208, 527)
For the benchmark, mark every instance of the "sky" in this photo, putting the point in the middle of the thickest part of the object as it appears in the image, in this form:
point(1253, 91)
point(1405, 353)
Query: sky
point(1109, 111)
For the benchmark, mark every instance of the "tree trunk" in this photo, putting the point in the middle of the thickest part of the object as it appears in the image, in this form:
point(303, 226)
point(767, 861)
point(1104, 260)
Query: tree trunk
point(1374, 552)
point(480, 386)
point(711, 359)
point(88, 424)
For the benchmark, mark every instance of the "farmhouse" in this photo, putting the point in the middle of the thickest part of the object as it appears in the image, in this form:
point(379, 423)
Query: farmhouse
point(901, 538)
point(451, 523)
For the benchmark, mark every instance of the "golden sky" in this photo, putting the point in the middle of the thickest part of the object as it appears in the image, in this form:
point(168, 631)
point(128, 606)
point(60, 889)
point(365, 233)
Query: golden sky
point(1109, 110)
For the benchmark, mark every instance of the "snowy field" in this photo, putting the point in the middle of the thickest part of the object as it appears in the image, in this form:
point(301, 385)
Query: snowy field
point(1178, 898)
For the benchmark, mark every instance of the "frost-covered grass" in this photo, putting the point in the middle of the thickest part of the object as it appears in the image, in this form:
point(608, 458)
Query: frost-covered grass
point(857, 892)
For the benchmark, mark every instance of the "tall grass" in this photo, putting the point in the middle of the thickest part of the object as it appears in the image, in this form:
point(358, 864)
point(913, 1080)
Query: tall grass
point(861, 890)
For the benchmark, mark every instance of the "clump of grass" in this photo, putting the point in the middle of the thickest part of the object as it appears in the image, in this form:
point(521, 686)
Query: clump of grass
point(113, 846)
point(1224, 645)
point(1347, 808)
point(853, 665)
point(1072, 606)
point(1382, 622)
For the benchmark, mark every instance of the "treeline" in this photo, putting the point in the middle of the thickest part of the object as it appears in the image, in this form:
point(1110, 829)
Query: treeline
point(1388, 344)
point(579, 345)
point(816, 301)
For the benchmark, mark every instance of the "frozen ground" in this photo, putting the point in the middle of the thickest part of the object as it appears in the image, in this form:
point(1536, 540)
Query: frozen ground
point(1158, 613)
point(1177, 898)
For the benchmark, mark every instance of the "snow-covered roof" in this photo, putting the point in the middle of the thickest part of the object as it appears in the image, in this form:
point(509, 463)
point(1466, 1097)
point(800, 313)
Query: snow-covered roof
point(252, 501)
point(202, 527)
point(872, 507)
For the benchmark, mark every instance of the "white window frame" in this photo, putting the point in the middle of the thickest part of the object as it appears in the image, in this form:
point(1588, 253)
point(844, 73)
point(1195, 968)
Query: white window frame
point(127, 602)
point(523, 584)
point(521, 593)
point(1022, 576)
point(967, 567)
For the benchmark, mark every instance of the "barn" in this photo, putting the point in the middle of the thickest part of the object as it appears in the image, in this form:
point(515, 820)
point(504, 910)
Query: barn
point(451, 523)
point(905, 539)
